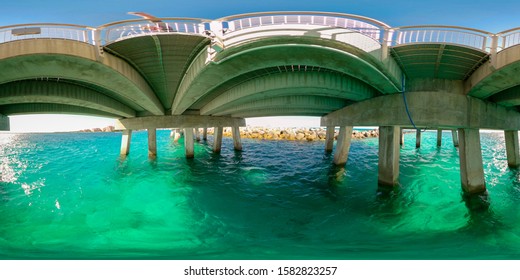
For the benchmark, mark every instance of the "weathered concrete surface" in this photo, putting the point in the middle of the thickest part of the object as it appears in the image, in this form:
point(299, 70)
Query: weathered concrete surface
point(343, 145)
point(217, 139)
point(189, 146)
point(177, 122)
point(418, 138)
point(388, 167)
point(428, 109)
point(455, 137)
point(512, 150)
point(237, 143)
point(497, 75)
point(471, 167)
point(329, 139)
point(152, 142)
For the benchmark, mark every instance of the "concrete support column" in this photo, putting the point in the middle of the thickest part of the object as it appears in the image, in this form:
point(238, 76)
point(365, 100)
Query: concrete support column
point(125, 142)
point(343, 145)
point(237, 142)
point(205, 134)
point(329, 139)
point(197, 134)
point(388, 171)
point(152, 142)
point(512, 151)
point(176, 135)
point(217, 139)
point(439, 137)
point(471, 168)
point(189, 146)
point(418, 138)
point(455, 137)
point(401, 137)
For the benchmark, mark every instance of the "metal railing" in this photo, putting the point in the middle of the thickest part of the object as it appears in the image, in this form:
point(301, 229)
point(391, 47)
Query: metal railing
point(367, 26)
point(509, 38)
point(48, 31)
point(377, 30)
point(125, 29)
point(467, 37)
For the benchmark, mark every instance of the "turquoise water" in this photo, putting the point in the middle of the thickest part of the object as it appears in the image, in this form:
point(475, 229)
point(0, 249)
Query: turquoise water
point(70, 196)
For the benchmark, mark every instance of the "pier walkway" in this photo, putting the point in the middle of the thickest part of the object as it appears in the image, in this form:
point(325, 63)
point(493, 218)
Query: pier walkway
point(187, 73)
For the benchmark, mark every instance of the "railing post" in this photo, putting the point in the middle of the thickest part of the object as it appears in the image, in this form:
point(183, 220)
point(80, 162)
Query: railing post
point(384, 46)
point(493, 51)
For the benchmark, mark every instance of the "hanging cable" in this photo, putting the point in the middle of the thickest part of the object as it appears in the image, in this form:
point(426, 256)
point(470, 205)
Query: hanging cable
point(403, 91)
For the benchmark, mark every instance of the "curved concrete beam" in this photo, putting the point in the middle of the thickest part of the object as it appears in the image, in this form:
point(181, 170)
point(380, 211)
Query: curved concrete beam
point(288, 102)
point(268, 112)
point(61, 93)
point(77, 61)
point(43, 108)
point(287, 83)
point(499, 74)
point(202, 80)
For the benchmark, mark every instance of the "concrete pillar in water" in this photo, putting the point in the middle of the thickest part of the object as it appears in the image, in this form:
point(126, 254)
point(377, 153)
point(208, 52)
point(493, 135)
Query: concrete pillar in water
point(343, 145)
point(418, 138)
point(237, 143)
point(455, 137)
point(125, 142)
point(471, 168)
point(197, 134)
point(512, 151)
point(329, 139)
point(217, 139)
point(152, 142)
point(401, 137)
point(189, 146)
point(388, 171)
point(176, 135)
point(205, 134)
point(439, 137)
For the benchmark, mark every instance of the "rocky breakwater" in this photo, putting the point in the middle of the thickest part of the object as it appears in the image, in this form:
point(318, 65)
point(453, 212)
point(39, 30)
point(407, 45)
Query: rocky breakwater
point(293, 134)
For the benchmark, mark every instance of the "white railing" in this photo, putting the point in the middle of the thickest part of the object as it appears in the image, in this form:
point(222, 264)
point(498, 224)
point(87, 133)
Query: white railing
point(125, 29)
point(363, 25)
point(467, 37)
point(47, 31)
point(509, 38)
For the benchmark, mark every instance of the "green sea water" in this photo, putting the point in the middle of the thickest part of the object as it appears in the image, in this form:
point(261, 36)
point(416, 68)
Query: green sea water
point(70, 196)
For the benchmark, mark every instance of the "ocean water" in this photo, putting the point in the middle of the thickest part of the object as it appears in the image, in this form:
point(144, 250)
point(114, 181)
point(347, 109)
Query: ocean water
point(70, 196)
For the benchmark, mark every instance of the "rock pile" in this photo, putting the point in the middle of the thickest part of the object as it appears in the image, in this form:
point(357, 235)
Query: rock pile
point(295, 134)
point(97, 129)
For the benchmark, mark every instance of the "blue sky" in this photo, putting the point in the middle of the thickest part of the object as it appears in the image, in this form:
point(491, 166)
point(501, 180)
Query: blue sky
point(493, 16)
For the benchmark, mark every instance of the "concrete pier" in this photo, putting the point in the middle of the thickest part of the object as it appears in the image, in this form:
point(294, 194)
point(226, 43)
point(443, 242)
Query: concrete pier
point(512, 151)
point(237, 142)
point(125, 142)
point(439, 137)
point(343, 145)
point(152, 142)
point(197, 134)
point(471, 168)
point(176, 135)
point(388, 168)
point(189, 146)
point(205, 134)
point(418, 138)
point(329, 139)
point(455, 137)
point(217, 139)
point(401, 137)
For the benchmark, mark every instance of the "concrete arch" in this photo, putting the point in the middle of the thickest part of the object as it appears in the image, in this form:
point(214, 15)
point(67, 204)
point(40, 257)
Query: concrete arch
point(326, 84)
point(48, 108)
point(498, 75)
point(77, 61)
point(202, 79)
point(61, 93)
